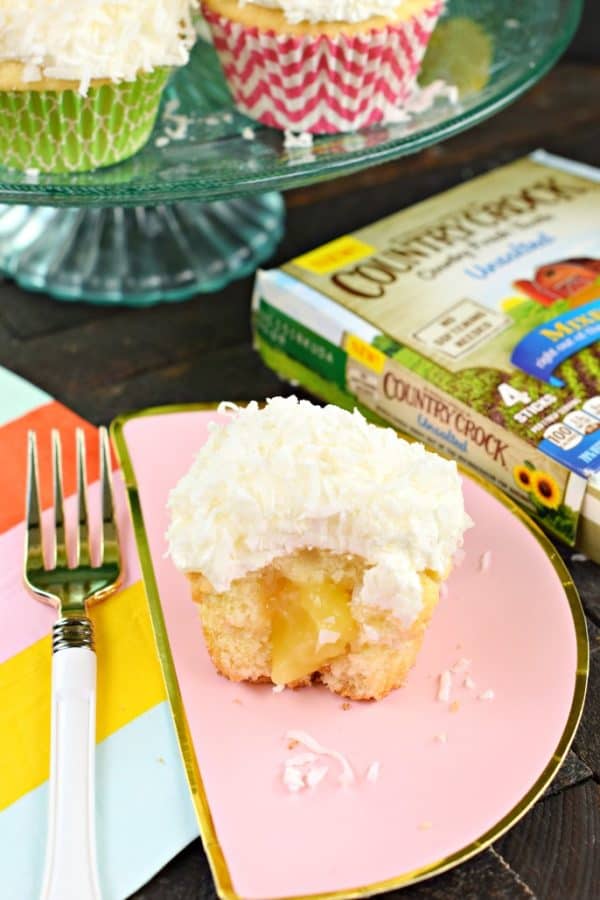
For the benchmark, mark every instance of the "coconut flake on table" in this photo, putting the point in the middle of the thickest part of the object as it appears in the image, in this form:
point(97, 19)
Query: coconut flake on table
point(469, 683)
point(487, 695)
point(442, 737)
point(248, 133)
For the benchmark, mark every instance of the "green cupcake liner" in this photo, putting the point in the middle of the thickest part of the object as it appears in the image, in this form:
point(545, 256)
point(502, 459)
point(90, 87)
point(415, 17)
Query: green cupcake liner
point(61, 131)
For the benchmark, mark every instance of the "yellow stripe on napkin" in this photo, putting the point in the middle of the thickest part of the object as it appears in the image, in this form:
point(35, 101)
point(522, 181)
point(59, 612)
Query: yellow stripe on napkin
point(129, 683)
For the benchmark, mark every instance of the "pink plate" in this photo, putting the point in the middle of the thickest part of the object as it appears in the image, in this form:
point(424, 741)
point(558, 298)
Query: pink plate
point(452, 776)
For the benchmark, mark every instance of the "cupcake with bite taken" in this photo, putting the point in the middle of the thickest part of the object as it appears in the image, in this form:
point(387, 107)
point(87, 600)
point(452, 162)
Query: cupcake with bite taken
point(315, 545)
point(321, 66)
point(81, 82)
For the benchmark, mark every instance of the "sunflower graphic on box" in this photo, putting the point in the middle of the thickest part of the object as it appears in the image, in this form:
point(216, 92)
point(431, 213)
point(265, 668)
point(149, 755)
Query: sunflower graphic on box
point(545, 495)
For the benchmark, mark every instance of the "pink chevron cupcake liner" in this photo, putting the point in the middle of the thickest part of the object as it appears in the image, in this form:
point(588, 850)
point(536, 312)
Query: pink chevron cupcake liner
point(321, 83)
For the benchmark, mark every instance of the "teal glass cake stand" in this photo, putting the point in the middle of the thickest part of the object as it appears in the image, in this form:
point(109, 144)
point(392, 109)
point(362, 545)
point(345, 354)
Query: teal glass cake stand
point(199, 205)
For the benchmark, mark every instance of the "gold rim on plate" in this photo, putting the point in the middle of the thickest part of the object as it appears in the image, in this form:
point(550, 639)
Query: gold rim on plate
point(214, 852)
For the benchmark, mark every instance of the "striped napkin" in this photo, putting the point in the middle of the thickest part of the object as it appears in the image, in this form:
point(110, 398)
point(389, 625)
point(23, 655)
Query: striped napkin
point(144, 812)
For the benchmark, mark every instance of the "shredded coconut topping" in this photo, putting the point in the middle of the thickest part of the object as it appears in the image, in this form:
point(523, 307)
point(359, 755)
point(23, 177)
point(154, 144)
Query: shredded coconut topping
point(81, 40)
point(296, 11)
point(296, 475)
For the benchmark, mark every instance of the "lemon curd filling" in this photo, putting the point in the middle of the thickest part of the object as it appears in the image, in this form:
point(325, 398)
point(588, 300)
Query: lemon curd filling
point(311, 624)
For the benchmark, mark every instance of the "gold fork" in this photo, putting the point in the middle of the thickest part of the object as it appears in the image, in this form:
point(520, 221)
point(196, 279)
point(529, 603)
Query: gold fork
point(71, 869)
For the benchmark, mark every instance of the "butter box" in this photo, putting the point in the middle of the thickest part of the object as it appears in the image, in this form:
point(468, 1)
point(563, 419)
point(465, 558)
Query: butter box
point(470, 321)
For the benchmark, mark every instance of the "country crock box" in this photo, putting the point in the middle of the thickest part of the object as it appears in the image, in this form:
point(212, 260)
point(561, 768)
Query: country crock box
point(470, 321)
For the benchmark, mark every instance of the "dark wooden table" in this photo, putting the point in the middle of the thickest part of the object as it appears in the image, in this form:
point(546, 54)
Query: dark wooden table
point(101, 362)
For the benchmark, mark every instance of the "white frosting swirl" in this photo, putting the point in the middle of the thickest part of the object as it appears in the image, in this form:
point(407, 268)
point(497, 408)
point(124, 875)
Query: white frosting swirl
point(296, 11)
point(296, 475)
point(81, 40)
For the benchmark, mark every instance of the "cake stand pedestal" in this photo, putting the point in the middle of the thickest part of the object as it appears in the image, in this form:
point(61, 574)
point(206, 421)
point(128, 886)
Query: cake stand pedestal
point(138, 255)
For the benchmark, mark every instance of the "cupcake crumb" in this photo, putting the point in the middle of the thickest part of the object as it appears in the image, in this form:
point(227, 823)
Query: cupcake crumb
point(454, 706)
point(425, 826)
point(346, 705)
point(292, 743)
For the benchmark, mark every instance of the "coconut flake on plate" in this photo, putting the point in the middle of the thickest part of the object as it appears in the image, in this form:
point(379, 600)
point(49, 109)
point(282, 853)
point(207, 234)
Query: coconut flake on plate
point(487, 695)
point(485, 561)
point(445, 686)
point(347, 774)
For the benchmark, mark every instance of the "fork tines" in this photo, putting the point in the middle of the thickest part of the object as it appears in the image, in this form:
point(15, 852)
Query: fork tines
point(109, 548)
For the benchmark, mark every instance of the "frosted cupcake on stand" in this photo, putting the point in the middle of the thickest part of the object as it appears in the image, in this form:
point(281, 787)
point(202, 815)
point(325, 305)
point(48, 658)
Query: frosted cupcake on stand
point(321, 66)
point(81, 80)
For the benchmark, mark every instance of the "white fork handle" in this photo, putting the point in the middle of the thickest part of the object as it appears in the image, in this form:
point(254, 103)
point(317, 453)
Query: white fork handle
point(71, 870)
